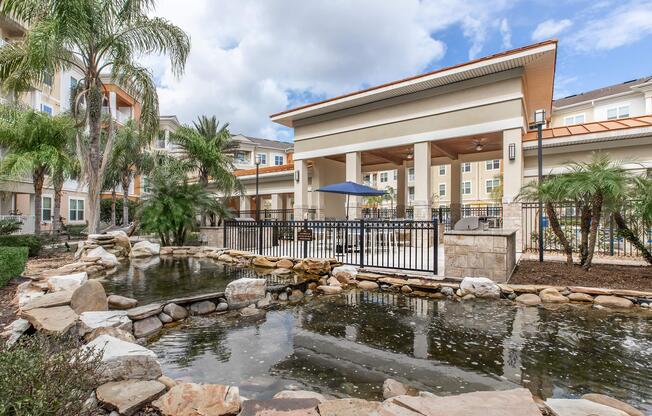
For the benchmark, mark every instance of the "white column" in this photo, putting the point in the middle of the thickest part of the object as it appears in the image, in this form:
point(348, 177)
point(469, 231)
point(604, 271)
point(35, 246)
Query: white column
point(400, 191)
point(512, 183)
point(354, 174)
point(301, 204)
point(277, 202)
point(456, 191)
point(245, 205)
point(422, 181)
point(113, 104)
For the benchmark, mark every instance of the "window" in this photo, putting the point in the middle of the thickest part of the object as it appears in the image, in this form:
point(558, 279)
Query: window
point(494, 210)
point(46, 208)
point(575, 119)
point(262, 158)
point(145, 183)
point(466, 188)
point(411, 193)
point(395, 174)
point(493, 164)
point(160, 140)
point(442, 189)
point(73, 83)
point(618, 112)
point(241, 157)
point(367, 179)
point(492, 184)
point(411, 174)
point(383, 177)
point(278, 160)
point(76, 209)
point(466, 167)
point(46, 109)
point(442, 170)
point(47, 79)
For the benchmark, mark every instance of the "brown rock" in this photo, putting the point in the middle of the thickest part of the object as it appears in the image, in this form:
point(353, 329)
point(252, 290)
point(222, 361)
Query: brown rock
point(52, 321)
point(580, 297)
point(406, 289)
point(114, 332)
point(367, 285)
point(49, 300)
point(351, 407)
point(278, 407)
point(128, 396)
point(611, 402)
point(89, 297)
point(330, 290)
point(613, 302)
point(528, 299)
point(393, 388)
point(121, 302)
point(299, 394)
point(262, 261)
point(552, 295)
point(190, 399)
point(285, 264)
point(145, 311)
point(168, 381)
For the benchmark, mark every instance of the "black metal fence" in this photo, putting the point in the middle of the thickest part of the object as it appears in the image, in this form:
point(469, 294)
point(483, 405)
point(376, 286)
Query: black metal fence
point(608, 242)
point(272, 214)
point(398, 244)
point(494, 214)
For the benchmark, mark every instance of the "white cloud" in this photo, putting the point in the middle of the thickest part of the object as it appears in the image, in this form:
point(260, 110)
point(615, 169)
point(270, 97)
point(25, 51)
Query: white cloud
point(252, 58)
point(506, 34)
point(625, 25)
point(550, 28)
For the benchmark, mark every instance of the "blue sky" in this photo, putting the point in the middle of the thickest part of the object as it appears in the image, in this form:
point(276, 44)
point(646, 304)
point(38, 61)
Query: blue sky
point(276, 54)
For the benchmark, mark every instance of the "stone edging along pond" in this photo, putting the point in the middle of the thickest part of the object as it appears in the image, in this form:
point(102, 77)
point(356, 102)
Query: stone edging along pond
point(65, 300)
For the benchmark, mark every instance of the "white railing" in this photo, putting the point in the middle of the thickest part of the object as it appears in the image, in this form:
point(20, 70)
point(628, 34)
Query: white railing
point(27, 220)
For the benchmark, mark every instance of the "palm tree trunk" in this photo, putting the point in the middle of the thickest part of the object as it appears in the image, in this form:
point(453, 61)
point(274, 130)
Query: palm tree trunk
point(203, 180)
point(113, 200)
point(585, 225)
point(57, 182)
point(596, 213)
point(125, 200)
point(626, 232)
point(559, 232)
point(38, 178)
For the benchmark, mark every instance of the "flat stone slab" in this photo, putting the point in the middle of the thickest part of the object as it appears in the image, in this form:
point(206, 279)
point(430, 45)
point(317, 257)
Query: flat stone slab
point(52, 321)
point(581, 407)
point(278, 407)
point(190, 399)
point(196, 298)
point(122, 360)
point(121, 302)
point(145, 311)
point(352, 407)
point(127, 397)
point(49, 300)
point(516, 402)
point(67, 282)
point(88, 321)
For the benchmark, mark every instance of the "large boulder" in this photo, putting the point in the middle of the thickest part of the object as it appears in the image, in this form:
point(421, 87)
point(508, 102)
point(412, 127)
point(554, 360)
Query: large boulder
point(552, 295)
point(175, 311)
point(145, 249)
point(480, 287)
point(285, 264)
point(89, 297)
point(123, 360)
point(66, 282)
point(121, 302)
point(107, 259)
point(51, 321)
point(243, 292)
point(148, 326)
point(121, 239)
point(190, 399)
point(314, 266)
point(345, 274)
point(129, 396)
point(89, 321)
point(613, 302)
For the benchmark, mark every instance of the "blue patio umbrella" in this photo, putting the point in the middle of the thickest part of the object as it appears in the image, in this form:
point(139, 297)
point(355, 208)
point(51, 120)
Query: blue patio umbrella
point(350, 188)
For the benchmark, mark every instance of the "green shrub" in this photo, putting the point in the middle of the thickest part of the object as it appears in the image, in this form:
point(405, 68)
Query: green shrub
point(45, 376)
point(76, 229)
point(105, 210)
point(32, 242)
point(12, 263)
point(10, 226)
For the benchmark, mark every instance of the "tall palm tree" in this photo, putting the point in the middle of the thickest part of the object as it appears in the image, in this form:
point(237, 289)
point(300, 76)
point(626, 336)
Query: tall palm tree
point(209, 149)
point(92, 36)
point(34, 142)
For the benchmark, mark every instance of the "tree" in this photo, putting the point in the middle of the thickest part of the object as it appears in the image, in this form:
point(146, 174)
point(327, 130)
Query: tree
point(111, 181)
point(208, 148)
point(93, 36)
point(64, 165)
point(34, 142)
point(639, 204)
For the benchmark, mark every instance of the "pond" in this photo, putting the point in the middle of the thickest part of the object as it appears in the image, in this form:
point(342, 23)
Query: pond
point(349, 344)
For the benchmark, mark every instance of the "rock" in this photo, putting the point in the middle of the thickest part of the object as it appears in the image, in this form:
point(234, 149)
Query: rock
point(251, 310)
point(329, 290)
point(175, 311)
point(168, 381)
point(89, 297)
point(51, 321)
point(49, 300)
point(613, 302)
point(121, 239)
point(114, 332)
point(263, 303)
point(447, 291)
point(392, 388)
point(580, 297)
point(468, 296)
point(285, 264)
point(283, 296)
point(67, 282)
point(108, 260)
point(146, 327)
point(121, 302)
point(345, 273)
point(202, 308)
point(242, 292)
point(406, 289)
point(145, 249)
point(90, 321)
point(280, 272)
point(15, 330)
point(221, 307)
point(165, 318)
point(123, 360)
point(350, 407)
point(278, 407)
point(129, 396)
point(332, 281)
point(367, 285)
point(552, 295)
point(226, 258)
point(314, 266)
point(262, 261)
point(528, 299)
point(581, 407)
point(145, 311)
point(190, 399)
point(611, 402)
point(25, 292)
point(308, 292)
point(295, 296)
point(481, 287)
point(299, 394)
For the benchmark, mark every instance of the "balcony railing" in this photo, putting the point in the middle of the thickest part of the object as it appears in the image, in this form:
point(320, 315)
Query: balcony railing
point(28, 222)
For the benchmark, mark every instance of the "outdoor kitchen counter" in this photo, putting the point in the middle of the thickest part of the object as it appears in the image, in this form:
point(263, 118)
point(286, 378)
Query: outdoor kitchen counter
point(480, 253)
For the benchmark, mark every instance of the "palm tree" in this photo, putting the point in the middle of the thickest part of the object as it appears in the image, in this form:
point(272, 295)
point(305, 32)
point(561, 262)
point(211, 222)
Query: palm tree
point(111, 181)
point(639, 204)
point(92, 36)
point(64, 165)
point(209, 149)
point(550, 191)
point(34, 142)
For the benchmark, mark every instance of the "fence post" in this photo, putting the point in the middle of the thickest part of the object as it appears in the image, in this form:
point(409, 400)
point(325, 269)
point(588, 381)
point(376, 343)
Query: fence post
point(435, 245)
point(611, 235)
point(361, 243)
point(260, 237)
point(224, 231)
point(305, 243)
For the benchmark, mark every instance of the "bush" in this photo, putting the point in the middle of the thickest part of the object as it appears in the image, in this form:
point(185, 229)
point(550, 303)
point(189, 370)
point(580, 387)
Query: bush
point(105, 210)
point(41, 376)
point(12, 263)
point(32, 242)
point(10, 226)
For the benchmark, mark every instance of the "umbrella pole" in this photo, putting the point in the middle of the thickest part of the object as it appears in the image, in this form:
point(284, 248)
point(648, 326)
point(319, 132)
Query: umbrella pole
point(347, 206)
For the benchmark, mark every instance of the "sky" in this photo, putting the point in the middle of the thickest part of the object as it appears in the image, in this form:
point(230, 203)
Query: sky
point(253, 58)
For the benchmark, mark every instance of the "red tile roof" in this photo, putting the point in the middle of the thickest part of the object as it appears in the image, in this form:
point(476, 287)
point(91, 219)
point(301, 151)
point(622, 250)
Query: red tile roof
point(592, 127)
point(266, 169)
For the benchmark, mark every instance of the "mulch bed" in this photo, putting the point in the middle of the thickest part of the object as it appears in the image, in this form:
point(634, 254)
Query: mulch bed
point(601, 275)
point(7, 310)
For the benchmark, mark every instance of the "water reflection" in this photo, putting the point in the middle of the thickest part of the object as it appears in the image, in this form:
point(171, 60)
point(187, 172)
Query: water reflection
point(348, 345)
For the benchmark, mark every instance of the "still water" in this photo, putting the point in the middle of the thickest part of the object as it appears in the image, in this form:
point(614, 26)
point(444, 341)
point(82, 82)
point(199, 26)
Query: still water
point(349, 344)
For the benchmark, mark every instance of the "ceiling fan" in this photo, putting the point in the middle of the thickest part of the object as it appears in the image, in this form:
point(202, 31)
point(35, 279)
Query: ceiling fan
point(478, 144)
